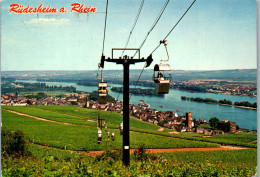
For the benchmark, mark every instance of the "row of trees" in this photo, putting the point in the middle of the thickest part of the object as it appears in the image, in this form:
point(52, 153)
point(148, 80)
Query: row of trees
point(189, 88)
point(39, 95)
point(246, 104)
point(199, 99)
point(227, 102)
point(32, 87)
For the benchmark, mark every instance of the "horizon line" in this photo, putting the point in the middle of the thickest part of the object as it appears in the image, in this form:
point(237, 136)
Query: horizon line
point(130, 70)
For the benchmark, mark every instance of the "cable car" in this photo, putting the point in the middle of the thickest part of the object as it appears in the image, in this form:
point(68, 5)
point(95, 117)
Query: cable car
point(102, 92)
point(121, 128)
point(99, 135)
point(162, 78)
point(113, 136)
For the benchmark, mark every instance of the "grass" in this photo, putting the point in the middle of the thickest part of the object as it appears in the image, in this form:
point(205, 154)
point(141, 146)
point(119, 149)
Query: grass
point(204, 126)
point(76, 137)
point(53, 162)
point(80, 116)
point(216, 163)
point(235, 139)
point(47, 161)
point(56, 116)
point(76, 115)
point(113, 119)
point(247, 157)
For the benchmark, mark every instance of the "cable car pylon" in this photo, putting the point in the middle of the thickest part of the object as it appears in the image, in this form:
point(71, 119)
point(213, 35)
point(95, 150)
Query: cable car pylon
point(126, 61)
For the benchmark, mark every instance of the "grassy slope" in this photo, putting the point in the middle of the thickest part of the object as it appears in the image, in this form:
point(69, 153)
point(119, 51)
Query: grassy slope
point(78, 137)
point(49, 162)
point(75, 115)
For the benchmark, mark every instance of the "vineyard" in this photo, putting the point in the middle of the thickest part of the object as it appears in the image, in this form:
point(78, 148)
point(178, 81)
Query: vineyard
point(57, 146)
point(53, 162)
point(78, 137)
point(87, 117)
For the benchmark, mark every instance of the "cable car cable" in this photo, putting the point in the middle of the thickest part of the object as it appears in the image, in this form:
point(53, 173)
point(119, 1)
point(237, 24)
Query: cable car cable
point(165, 36)
point(104, 37)
point(149, 32)
point(174, 25)
point(180, 19)
point(136, 19)
point(154, 24)
point(138, 80)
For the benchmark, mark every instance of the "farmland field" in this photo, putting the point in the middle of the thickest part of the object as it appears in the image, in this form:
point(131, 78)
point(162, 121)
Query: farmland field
point(75, 115)
point(78, 137)
point(88, 117)
point(47, 142)
point(53, 162)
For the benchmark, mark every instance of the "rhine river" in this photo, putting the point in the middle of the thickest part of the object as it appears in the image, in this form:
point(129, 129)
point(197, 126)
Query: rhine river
point(245, 118)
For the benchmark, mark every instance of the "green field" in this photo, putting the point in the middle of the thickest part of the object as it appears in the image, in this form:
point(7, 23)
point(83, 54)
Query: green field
point(53, 162)
point(47, 142)
point(77, 137)
point(75, 115)
point(88, 117)
point(238, 139)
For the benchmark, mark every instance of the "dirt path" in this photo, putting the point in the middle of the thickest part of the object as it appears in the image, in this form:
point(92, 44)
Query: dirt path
point(221, 148)
point(99, 152)
point(38, 118)
point(160, 129)
point(253, 141)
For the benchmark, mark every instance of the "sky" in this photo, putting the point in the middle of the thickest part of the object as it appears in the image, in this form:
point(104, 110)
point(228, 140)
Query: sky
point(213, 35)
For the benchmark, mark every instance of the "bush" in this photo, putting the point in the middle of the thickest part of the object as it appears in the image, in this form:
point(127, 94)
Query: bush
point(115, 155)
point(13, 143)
point(74, 103)
point(141, 153)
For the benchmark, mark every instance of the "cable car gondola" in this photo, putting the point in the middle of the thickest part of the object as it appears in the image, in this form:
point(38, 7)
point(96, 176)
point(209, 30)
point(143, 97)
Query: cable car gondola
point(162, 75)
point(113, 136)
point(121, 128)
point(99, 135)
point(162, 78)
point(102, 92)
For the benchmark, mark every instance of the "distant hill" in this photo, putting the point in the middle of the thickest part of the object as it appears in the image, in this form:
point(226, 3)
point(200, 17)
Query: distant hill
point(236, 75)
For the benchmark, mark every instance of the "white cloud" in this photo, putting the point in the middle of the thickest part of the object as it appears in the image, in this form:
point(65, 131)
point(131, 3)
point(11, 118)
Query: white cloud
point(47, 21)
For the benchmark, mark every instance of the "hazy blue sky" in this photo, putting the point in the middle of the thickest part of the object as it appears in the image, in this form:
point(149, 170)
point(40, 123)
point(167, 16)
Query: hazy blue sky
point(214, 34)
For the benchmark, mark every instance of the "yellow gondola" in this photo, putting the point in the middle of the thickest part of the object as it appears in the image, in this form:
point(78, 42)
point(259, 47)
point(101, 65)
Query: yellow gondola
point(102, 92)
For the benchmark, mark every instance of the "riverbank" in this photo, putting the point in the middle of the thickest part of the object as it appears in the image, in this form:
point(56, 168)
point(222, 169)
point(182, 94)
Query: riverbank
point(243, 107)
point(243, 104)
point(246, 118)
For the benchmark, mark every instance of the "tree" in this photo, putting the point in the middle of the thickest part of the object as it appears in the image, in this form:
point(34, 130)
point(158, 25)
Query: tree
point(40, 94)
point(195, 123)
point(13, 143)
point(213, 122)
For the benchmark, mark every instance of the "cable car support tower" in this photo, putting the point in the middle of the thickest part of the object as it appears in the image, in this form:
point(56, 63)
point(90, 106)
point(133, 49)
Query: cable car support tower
point(126, 61)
